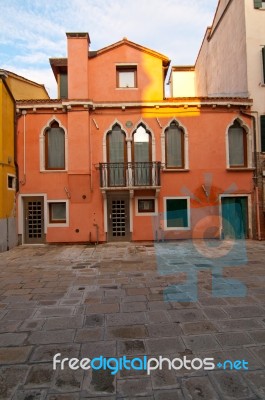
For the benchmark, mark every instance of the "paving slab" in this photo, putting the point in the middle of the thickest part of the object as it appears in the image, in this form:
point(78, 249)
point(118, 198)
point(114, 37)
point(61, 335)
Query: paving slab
point(109, 300)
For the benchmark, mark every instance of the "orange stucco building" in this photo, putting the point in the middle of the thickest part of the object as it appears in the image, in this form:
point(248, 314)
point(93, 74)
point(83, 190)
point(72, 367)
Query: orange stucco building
point(113, 159)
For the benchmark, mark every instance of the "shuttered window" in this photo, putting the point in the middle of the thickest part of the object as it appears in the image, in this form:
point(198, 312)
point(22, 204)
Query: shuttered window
point(237, 142)
point(257, 3)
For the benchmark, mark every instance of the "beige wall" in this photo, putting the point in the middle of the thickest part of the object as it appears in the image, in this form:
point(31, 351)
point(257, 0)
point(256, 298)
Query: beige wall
point(220, 67)
point(182, 84)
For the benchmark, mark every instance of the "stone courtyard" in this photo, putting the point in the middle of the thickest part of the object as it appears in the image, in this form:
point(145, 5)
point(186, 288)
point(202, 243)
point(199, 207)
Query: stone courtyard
point(128, 299)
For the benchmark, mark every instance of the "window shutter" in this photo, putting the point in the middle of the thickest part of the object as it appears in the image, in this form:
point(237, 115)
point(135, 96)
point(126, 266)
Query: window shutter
point(263, 62)
point(262, 132)
point(257, 3)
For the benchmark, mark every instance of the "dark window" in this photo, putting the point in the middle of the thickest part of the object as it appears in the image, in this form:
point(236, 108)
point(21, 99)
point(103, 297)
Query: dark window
point(57, 212)
point(11, 182)
point(259, 4)
point(262, 132)
point(263, 62)
point(63, 86)
point(126, 76)
point(54, 147)
point(146, 205)
point(174, 136)
point(237, 141)
point(117, 156)
point(177, 213)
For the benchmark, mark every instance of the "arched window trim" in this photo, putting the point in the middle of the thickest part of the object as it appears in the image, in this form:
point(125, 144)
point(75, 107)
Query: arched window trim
point(105, 148)
point(43, 147)
point(141, 122)
point(185, 146)
point(248, 144)
point(151, 141)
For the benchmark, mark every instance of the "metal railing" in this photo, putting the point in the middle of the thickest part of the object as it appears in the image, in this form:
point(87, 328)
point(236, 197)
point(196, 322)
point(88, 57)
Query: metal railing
point(130, 174)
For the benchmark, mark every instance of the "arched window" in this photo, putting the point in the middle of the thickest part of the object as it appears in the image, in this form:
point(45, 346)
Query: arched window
point(174, 142)
point(54, 147)
point(142, 156)
point(237, 144)
point(116, 156)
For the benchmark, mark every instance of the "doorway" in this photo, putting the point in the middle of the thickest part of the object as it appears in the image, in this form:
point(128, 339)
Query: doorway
point(235, 217)
point(33, 220)
point(118, 217)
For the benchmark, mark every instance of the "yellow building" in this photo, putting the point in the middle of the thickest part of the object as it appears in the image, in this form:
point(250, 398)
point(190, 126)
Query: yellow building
point(12, 87)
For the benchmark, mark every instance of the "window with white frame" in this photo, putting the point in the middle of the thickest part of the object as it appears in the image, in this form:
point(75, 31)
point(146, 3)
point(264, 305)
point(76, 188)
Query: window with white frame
point(237, 146)
point(57, 212)
point(126, 76)
point(54, 147)
point(11, 182)
point(145, 206)
point(174, 146)
point(177, 213)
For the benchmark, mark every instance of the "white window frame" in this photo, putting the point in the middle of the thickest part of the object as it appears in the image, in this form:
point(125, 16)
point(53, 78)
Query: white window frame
point(248, 143)
point(42, 146)
point(166, 228)
point(186, 147)
point(13, 182)
point(57, 224)
point(145, 214)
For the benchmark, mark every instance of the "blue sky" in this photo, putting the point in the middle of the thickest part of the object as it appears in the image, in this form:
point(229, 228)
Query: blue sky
point(32, 31)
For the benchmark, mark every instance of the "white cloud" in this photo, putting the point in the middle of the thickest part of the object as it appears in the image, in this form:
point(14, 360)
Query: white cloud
point(33, 31)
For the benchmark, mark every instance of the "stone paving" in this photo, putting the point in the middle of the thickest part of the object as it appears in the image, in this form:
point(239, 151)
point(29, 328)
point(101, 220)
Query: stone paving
point(171, 299)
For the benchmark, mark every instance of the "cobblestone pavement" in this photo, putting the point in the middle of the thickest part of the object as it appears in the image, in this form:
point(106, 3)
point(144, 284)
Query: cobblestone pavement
point(132, 300)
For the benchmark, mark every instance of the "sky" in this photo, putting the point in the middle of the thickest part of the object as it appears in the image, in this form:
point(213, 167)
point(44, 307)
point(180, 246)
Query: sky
point(32, 31)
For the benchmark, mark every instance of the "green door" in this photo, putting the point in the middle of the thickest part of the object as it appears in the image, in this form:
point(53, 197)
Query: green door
point(235, 217)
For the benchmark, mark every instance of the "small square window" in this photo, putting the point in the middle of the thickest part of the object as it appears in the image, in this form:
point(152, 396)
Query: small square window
point(11, 182)
point(126, 77)
point(146, 205)
point(57, 212)
point(177, 213)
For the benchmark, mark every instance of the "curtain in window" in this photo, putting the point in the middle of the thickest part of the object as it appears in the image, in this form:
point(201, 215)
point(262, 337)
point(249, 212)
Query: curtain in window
point(142, 168)
point(236, 146)
point(56, 148)
point(174, 148)
point(116, 157)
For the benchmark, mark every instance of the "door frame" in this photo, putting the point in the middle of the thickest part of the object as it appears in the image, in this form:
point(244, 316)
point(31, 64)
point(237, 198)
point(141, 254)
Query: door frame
point(119, 196)
point(21, 226)
point(249, 215)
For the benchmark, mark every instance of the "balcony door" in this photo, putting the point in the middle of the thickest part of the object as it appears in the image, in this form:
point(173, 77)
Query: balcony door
point(117, 157)
point(118, 217)
point(142, 157)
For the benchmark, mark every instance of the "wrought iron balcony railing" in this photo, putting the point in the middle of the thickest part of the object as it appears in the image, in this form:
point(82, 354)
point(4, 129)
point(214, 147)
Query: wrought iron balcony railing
point(130, 174)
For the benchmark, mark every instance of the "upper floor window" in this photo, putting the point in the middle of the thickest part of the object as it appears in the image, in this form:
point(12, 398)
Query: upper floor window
point(63, 86)
point(259, 4)
point(237, 144)
point(54, 147)
point(174, 144)
point(116, 156)
point(126, 76)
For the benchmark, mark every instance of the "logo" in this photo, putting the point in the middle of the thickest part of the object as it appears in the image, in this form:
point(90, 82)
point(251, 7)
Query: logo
point(214, 240)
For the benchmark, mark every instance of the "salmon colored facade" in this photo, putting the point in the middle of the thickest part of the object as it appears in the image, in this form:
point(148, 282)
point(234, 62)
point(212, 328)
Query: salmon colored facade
point(112, 159)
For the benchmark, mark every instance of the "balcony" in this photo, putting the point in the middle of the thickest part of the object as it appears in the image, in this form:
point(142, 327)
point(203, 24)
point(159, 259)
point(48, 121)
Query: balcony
point(130, 175)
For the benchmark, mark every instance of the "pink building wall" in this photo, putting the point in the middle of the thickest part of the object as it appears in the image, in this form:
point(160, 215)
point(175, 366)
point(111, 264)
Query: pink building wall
point(93, 107)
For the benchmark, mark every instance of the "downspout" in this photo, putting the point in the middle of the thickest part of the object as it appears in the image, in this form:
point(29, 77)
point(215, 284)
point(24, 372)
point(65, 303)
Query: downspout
point(255, 178)
point(23, 181)
point(90, 152)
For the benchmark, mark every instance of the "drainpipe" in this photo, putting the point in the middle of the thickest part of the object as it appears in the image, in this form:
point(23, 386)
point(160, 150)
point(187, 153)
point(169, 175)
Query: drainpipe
point(253, 117)
point(23, 181)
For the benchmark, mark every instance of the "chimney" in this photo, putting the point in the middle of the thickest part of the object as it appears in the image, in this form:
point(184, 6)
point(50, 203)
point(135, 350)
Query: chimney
point(77, 48)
